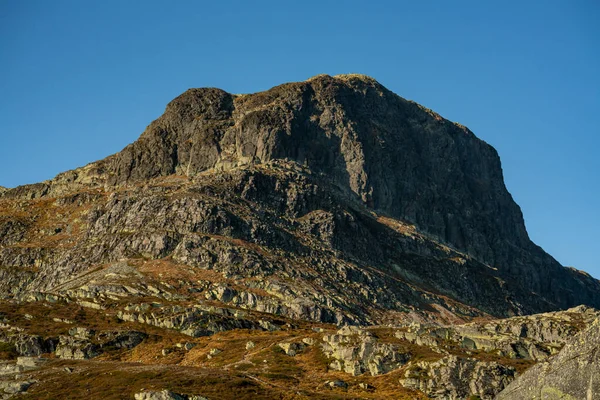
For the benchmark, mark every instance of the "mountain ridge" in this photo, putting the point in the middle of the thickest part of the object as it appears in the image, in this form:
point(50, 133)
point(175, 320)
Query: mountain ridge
point(396, 157)
point(322, 239)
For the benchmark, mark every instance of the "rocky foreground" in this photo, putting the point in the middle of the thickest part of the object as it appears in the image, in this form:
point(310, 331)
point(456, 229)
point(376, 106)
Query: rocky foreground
point(66, 347)
point(323, 239)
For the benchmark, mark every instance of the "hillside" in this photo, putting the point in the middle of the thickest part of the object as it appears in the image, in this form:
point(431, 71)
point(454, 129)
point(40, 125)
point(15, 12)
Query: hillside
point(239, 229)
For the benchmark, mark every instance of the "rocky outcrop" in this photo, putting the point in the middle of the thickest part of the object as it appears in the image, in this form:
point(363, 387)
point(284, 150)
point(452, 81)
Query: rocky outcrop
point(292, 348)
point(355, 351)
point(574, 373)
point(12, 388)
point(445, 180)
point(76, 349)
point(534, 337)
point(452, 378)
point(83, 344)
point(165, 395)
point(296, 182)
point(26, 344)
point(13, 380)
point(193, 321)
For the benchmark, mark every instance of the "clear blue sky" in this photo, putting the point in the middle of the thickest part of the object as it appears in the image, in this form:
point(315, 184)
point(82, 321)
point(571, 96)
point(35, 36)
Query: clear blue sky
point(79, 80)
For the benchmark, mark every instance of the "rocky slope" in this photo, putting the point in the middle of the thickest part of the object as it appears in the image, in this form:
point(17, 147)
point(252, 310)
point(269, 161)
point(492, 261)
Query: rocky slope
point(572, 374)
point(315, 204)
point(349, 144)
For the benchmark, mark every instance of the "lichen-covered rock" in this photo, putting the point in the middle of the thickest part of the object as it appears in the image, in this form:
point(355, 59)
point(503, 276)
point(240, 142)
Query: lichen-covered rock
point(81, 332)
point(291, 348)
point(165, 395)
point(283, 186)
point(14, 387)
point(533, 337)
point(71, 348)
point(31, 362)
point(453, 378)
point(355, 351)
point(574, 373)
point(29, 345)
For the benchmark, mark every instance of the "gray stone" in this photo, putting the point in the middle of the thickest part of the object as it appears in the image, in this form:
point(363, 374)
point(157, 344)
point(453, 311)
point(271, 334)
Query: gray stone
point(291, 348)
point(355, 352)
point(456, 378)
point(574, 373)
point(76, 349)
point(16, 387)
point(162, 395)
point(337, 384)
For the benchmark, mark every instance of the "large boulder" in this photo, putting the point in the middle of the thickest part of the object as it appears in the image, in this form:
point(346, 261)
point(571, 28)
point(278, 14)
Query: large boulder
point(355, 351)
point(574, 373)
point(165, 395)
point(453, 378)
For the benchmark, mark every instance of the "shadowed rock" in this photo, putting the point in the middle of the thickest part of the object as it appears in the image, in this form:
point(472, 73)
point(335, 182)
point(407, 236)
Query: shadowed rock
point(326, 152)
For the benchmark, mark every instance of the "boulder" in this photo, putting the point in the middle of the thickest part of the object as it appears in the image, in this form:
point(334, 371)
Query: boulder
point(71, 348)
point(291, 348)
point(454, 378)
point(574, 373)
point(355, 351)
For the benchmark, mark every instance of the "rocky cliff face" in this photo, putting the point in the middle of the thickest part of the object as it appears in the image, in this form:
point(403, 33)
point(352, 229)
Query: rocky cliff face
point(351, 135)
point(273, 216)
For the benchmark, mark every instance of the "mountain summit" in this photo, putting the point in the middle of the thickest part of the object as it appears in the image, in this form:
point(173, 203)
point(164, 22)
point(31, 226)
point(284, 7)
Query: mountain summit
point(379, 157)
point(246, 245)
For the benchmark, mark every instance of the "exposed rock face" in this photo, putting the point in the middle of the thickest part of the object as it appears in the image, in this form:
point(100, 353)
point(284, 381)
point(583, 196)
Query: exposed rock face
point(356, 351)
point(247, 220)
point(347, 146)
point(165, 395)
point(32, 345)
point(12, 379)
point(76, 349)
point(533, 337)
point(83, 344)
point(453, 378)
point(395, 155)
point(574, 373)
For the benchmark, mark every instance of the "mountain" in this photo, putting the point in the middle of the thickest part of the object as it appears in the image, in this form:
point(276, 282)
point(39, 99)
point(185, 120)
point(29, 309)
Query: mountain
point(329, 201)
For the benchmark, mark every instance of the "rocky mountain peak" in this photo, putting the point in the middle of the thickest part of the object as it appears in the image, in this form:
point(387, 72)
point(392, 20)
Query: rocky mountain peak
point(389, 155)
point(390, 152)
point(285, 239)
point(393, 155)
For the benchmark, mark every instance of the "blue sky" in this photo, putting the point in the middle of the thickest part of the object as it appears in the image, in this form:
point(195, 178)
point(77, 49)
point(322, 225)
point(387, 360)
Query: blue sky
point(79, 80)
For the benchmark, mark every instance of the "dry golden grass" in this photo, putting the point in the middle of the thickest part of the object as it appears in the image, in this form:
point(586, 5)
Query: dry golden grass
point(264, 371)
point(116, 380)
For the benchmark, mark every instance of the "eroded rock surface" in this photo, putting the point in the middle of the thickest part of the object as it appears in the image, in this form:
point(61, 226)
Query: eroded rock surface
point(455, 378)
point(574, 373)
point(533, 337)
point(356, 351)
point(307, 158)
point(278, 222)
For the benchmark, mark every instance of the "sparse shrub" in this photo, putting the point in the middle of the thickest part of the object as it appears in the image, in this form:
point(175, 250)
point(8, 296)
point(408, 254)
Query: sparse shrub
point(7, 351)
